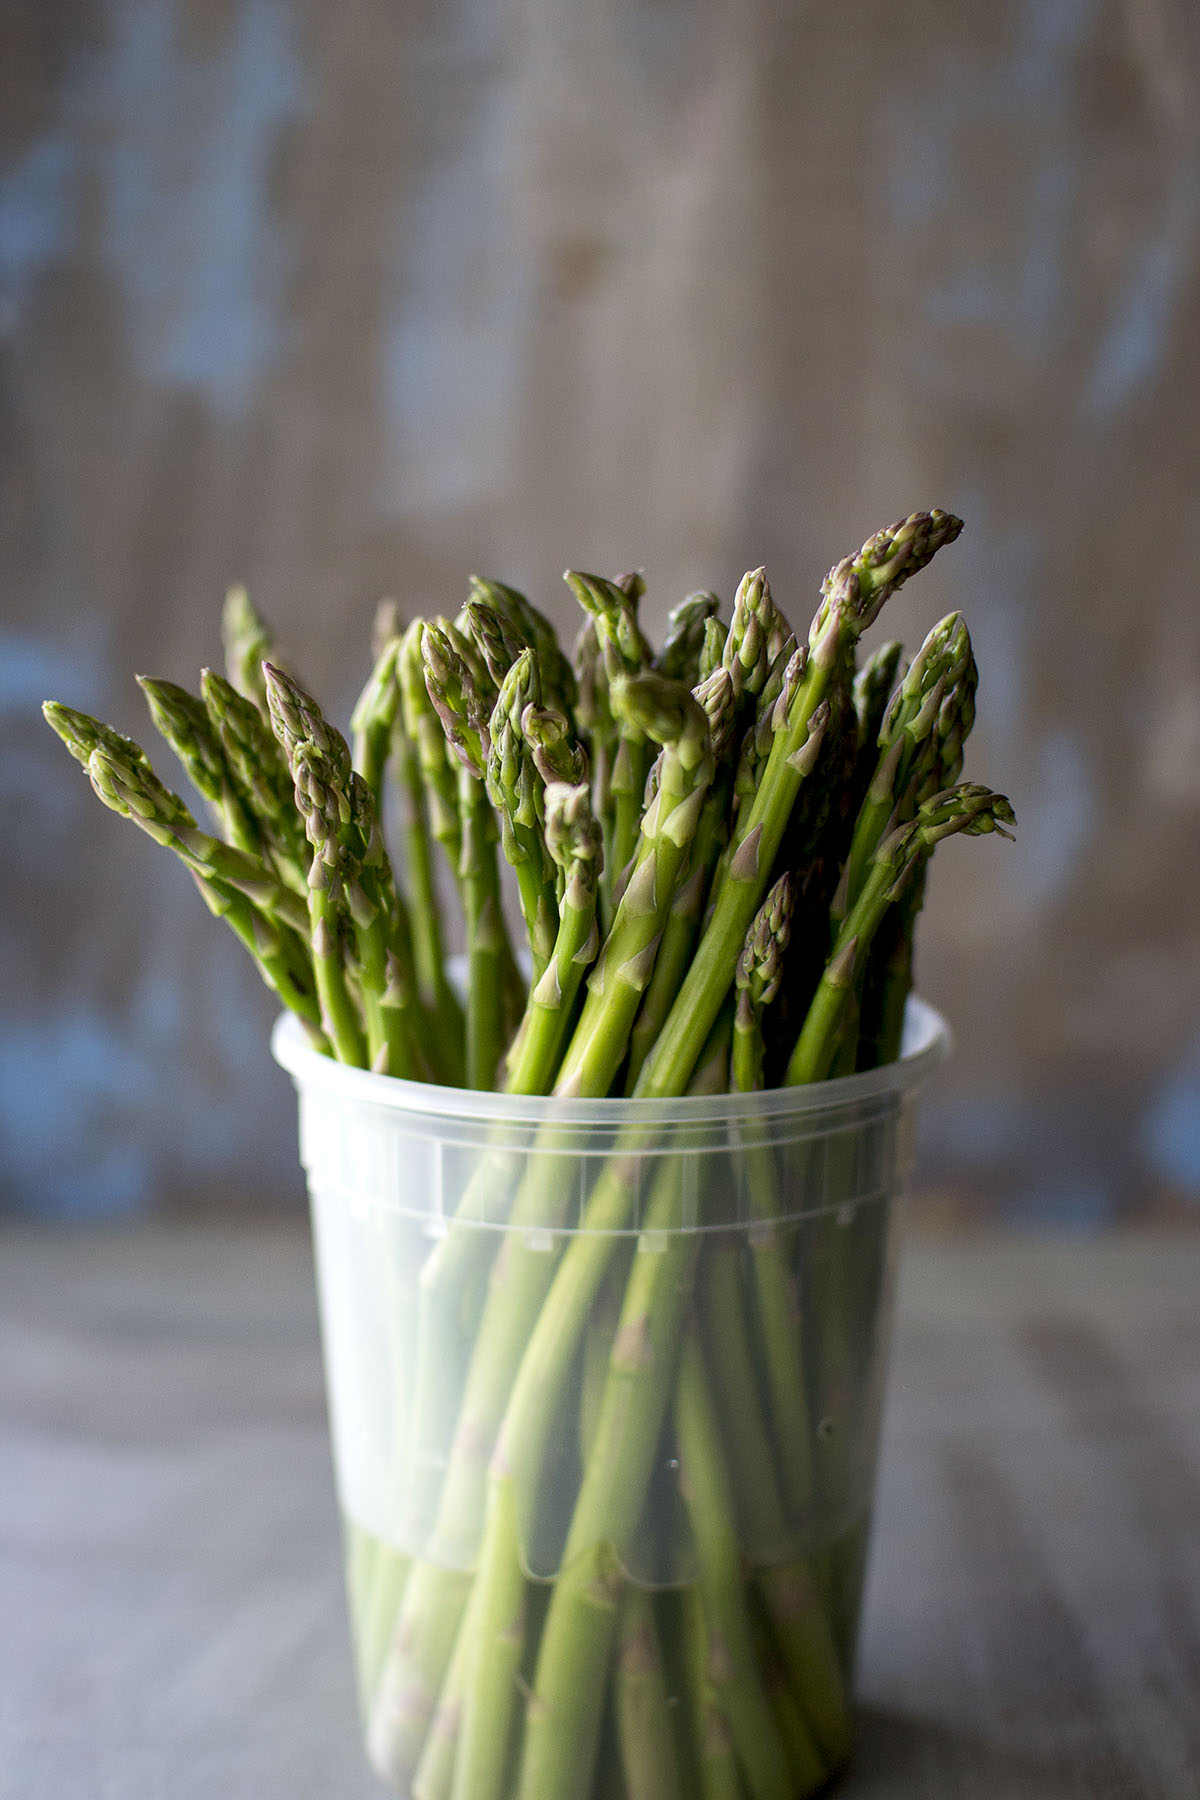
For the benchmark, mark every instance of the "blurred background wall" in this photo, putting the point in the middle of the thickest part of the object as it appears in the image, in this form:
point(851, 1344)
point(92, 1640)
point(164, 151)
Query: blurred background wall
point(354, 299)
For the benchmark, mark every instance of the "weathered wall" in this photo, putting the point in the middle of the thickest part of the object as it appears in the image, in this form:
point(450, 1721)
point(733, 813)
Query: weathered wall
point(357, 298)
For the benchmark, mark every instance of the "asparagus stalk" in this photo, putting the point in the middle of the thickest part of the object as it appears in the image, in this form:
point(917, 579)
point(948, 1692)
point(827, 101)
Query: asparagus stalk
point(574, 841)
point(648, 1758)
point(873, 687)
point(563, 1715)
point(669, 714)
point(968, 807)
point(260, 772)
point(183, 721)
point(461, 707)
point(424, 731)
point(526, 625)
point(682, 924)
point(854, 591)
point(935, 701)
point(775, 1294)
point(374, 719)
point(683, 644)
point(131, 787)
point(249, 642)
point(395, 717)
point(325, 809)
point(623, 651)
point(514, 788)
point(732, 1668)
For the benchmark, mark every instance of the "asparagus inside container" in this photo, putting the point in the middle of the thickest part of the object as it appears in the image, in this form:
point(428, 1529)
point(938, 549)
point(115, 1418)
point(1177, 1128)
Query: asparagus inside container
point(604, 1235)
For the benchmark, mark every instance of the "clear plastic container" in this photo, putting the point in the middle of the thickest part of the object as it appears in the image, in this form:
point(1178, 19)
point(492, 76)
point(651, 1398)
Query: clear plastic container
point(605, 1381)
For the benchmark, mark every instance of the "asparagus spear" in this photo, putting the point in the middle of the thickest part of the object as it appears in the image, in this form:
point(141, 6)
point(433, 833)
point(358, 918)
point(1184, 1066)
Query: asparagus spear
point(648, 1758)
point(968, 807)
point(260, 772)
point(733, 1668)
point(526, 625)
point(873, 687)
point(183, 721)
point(249, 642)
point(712, 648)
point(234, 886)
point(514, 789)
point(423, 730)
point(756, 632)
point(623, 650)
point(575, 843)
point(934, 702)
point(668, 713)
point(683, 644)
point(759, 973)
point(932, 766)
point(563, 1713)
point(461, 707)
point(854, 591)
point(682, 925)
point(374, 719)
point(320, 763)
point(131, 787)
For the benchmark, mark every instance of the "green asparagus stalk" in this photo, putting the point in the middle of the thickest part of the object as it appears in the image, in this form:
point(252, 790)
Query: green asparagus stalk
point(374, 719)
point(623, 651)
point(563, 1715)
point(669, 714)
point(704, 1653)
point(526, 625)
point(648, 1758)
point(183, 721)
point(249, 642)
point(732, 1667)
point(396, 716)
point(234, 886)
point(682, 924)
point(424, 731)
point(874, 685)
point(968, 807)
point(132, 787)
point(756, 633)
point(712, 648)
point(854, 591)
point(935, 700)
point(461, 708)
point(775, 1294)
point(514, 788)
point(259, 770)
point(683, 644)
point(574, 841)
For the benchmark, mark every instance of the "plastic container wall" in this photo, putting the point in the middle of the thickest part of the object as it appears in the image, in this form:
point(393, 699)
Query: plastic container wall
point(632, 1351)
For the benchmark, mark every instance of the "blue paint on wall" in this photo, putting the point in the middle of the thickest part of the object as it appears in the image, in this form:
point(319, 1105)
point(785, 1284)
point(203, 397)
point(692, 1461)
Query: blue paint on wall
point(197, 244)
point(192, 239)
point(1171, 1133)
point(1140, 328)
point(66, 1083)
point(37, 214)
point(1057, 817)
point(459, 303)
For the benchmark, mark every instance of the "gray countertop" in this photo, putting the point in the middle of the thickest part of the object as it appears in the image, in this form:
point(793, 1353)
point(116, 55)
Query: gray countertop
point(171, 1622)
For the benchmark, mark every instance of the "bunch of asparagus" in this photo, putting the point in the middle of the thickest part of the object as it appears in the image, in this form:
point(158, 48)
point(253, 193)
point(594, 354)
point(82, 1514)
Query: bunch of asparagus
point(719, 850)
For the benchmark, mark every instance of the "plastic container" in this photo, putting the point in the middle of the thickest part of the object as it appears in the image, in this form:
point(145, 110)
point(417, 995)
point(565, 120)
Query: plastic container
point(605, 1381)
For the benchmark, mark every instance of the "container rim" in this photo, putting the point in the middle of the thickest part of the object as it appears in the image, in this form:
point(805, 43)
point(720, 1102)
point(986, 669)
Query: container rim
point(927, 1042)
